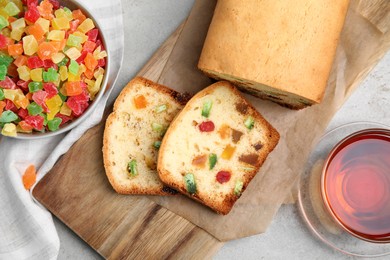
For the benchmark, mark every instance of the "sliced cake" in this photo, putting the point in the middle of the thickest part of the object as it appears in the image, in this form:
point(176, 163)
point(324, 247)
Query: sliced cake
point(215, 146)
point(133, 133)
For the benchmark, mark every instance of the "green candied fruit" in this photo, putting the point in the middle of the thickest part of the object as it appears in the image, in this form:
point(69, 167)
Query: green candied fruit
point(207, 105)
point(35, 86)
point(3, 22)
point(50, 75)
point(189, 179)
point(249, 122)
point(54, 124)
point(132, 168)
point(63, 98)
point(3, 72)
point(67, 10)
point(2, 97)
point(74, 41)
point(5, 59)
point(11, 9)
point(160, 108)
point(157, 144)
point(238, 188)
point(34, 109)
point(212, 160)
point(8, 117)
point(74, 67)
point(64, 62)
point(44, 118)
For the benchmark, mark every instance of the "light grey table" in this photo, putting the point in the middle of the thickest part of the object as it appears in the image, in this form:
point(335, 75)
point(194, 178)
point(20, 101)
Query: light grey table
point(147, 24)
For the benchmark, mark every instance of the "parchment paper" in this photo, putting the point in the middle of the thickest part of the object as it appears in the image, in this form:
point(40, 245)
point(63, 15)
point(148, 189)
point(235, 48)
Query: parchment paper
point(364, 41)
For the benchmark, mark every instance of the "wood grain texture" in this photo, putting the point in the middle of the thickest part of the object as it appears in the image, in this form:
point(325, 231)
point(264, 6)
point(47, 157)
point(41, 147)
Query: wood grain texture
point(117, 226)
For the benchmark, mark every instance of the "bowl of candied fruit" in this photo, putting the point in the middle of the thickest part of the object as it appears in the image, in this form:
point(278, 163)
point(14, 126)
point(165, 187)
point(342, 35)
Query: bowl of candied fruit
point(53, 63)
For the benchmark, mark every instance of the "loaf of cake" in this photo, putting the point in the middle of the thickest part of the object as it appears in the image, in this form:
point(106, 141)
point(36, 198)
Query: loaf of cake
point(215, 146)
point(277, 50)
point(133, 134)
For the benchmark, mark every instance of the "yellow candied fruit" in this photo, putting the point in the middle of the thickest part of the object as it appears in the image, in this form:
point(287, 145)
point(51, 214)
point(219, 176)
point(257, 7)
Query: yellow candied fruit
point(36, 75)
point(83, 37)
point(65, 110)
point(228, 152)
point(17, 34)
point(82, 69)
point(96, 87)
point(6, 32)
point(63, 73)
point(98, 72)
point(56, 35)
point(61, 13)
point(61, 23)
point(54, 105)
point(14, 95)
point(4, 13)
point(9, 129)
point(72, 78)
point(73, 53)
point(86, 26)
point(24, 73)
point(99, 54)
point(90, 82)
point(30, 45)
point(18, 24)
point(44, 23)
point(22, 102)
point(57, 57)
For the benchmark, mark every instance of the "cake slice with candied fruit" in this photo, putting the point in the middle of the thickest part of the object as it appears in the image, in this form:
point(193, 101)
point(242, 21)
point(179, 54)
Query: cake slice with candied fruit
point(215, 146)
point(133, 134)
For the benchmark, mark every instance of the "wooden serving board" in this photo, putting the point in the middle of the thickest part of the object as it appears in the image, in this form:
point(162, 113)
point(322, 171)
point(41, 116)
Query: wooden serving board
point(77, 191)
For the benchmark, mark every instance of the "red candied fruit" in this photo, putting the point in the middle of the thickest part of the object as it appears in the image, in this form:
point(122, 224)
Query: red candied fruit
point(50, 64)
point(64, 118)
point(92, 35)
point(8, 83)
point(50, 89)
point(102, 62)
point(223, 176)
point(55, 3)
point(30, 2)
point(9, 105)
point(35, 121)
point(207, 126)
point(23, 84)
point(32, 14)
point(3, 42)
point(78, 104)
point(34, 62)
point(39, 97)
point(82, 57)
point(22, 113)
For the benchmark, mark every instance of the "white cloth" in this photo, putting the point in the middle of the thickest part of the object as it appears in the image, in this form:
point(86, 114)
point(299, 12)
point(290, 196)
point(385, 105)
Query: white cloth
point(26, 228)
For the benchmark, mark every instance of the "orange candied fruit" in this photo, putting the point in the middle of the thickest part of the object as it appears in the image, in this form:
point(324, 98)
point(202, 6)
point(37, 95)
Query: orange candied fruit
point(46, 50)
point(140, 102)
point(37, 31)
point(25, 126)
point(23, 103)
point(29, 177)
point(78, 15)
point(90, 62)
point(2, 106)
point(20, 61)
point(15, 49)
point(73, 88)
point(228, 152)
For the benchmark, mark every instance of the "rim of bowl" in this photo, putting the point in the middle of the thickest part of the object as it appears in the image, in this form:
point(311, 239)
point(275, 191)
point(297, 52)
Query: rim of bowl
point(330, 156)
point(73, 4)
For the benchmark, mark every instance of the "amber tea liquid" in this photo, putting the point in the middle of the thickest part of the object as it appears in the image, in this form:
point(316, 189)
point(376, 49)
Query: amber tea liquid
point(356, 185)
